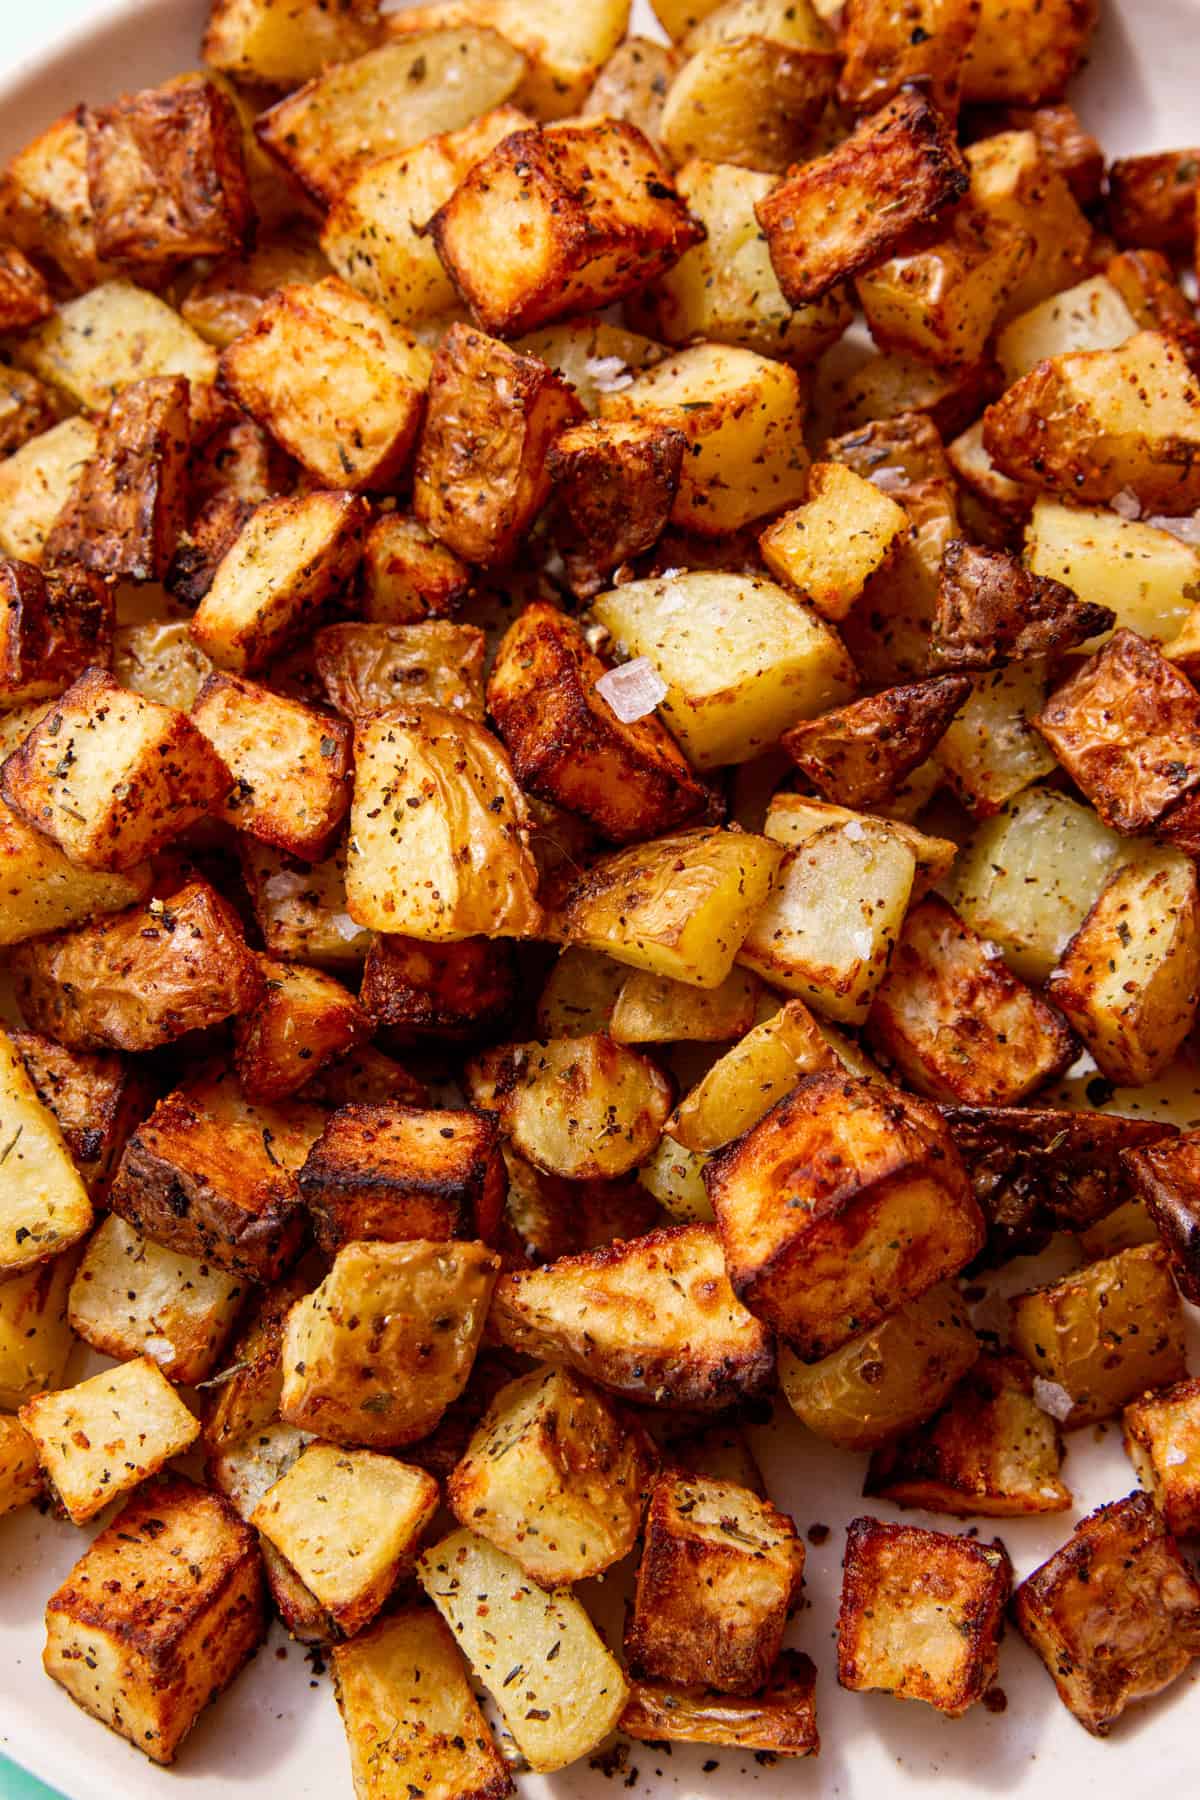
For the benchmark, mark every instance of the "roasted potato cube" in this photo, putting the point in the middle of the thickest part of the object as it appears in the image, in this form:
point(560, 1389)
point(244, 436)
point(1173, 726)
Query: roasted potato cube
point(27, 407)
point(407, 575)
point(481, 475)
point(847, 210)
point(391, 1173)
point(990, 751)
point(203, 546)
point(245, 1402)
point(280, 46)
point(130, 1297)
point(653, 1319)
point(858, 755)
point(1103, 1335)
point(35, 1338)
point(633, 84)
point(555, 1477)
point(568, 1691)
point(374, 233)
point(458, 991)
point(888, 1380)
point(416, 1310)
point(844, 1202)
point(96, 1100)
point(828, 547)
point(1089, 316)
point(1002, 504)
point(334, 381)
point(741, 658)
point(991, 610)
point(103, 1437)
point(724, 289)
point(1091, 424)
point(1162, 1440)
point(747, 100)
point(112, 777)
point(556, 221)
point(580, 993)
point(300, 907)
point(438, 832)
point(991, 1451)
point(565, 49)
point(1013, 180)
point(159, 659)
point(779, 1721)
point(411, 1717)
point(114, 335)
point(937, 297)
point(226, 302)
point(579, 1107)
point(766, 1063)
point(1129, 980)
point(956, 1022)
point(368, 668)
point(158, 1615)
point(52, 626)
point(290, 557)
point(47, 211)
point(922, 1614)
point(679, 906)
point(390, 98)
point(793, 819)
point(364, 1077)
point(290, 766)
point(653, 1009)
point(24, 296)
point(167, 174)
point(1126, 727)
point(44, 1207)
point(616, 481)
point(1164, 1176)
point(569, 745)
point(720, 1573)
point(1146, 283)
point(214, 1176)
point(41, 891)
point(1152, 200)
point(304, 1021)
point(889, 45)
point(1114, 1614)
point(348, 1522)
point(1026, 53)
point(37, 481)
point(20, 1471)
point(742, 415)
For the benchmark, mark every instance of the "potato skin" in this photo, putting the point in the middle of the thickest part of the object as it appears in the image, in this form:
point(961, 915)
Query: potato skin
point(54, 624)
point(459, 991)
point(1152, 200)
point(780, 1721)
point(96, 1099)
point(616, 483)
point(1166, 1177)
point(992, 610)
point(889, 43)
point(25, 299)
point(860, 754)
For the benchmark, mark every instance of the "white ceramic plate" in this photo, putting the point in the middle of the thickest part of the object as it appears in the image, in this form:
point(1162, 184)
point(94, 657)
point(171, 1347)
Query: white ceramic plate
point(277, 1729)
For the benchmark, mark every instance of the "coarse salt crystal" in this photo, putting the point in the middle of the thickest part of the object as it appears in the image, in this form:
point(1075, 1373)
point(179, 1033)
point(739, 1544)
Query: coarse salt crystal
point(1052, 1398)
point(160, 1348)
point(863, 942)
point(609, 374)
point(286, 885)
point(1126, 505)
point(1187, 530)
point(633, 690)
point(888, 479)
point(853, 830)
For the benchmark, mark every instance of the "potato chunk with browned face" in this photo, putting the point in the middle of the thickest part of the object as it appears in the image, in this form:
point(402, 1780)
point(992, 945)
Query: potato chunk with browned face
point(922, 1614)
point(261, 41)
point(781, 1720)
point(890, 43)
point(616, 482)
point(458, 991)
point(368, 668)
point(860, 754)
point(53, 625)
point(845, 1201)
point(1152, 199)
point(25, 298)
point(1114, 1614)
point(1166, 1177)
point(992, 610)
point(580, 1107)
point(1162, 1440)
point(304, 1021)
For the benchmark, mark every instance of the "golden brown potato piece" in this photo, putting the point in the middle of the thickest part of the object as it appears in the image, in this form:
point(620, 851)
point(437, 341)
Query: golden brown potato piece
point(1152, 200)
point(653, 1319)
point(139, 980)
point(226, 302)
point(377, 1353)
point(334, 381)
point(1129, 980)
point(779, 1721)
point(456, 991)
point(300, 907)
point(214, 1176)
point(1166, 1177)
point(720, 1573)
point(850, 208)
point(202, 545)
point(1146, 283)
point(158, 1615)
point(1126, 728)
point(53, 625)
point(438, 832)
point(304, 1021)
point(565, 49)
point(1071, 150)
point(291, 556)
point(407, 575)
point(583, 1107)
point(1087, 425)
point(167, 175)
point(281, 46)
point(764, 1065)
point(922, 1614)
point(46, 207)
point(41, 890)
point(557, 221)
point(364, 1077)
point(367, 669)
point(890, 43)
point(830, 547)
point(555, 1476)
point(567, 743)
point(1026, 53)
point(1162, 1440)
point(20, 1473)
point(24, 296)
point(129, 506)
point(616, 481)
point(44, 1206)
point(1102, 1336)
point(633, 84)
point(112, 777)
point(1114, 1614)
point(860, 754)
point(938, 297)
point(27, 407)
point(748, 100)
point(481, 475)
point(992, 610)
point(1014, 180)
point(97, 1101)
point(956, 1023)
point(845, 1201)
point(388, 1173)
point(991, 1451)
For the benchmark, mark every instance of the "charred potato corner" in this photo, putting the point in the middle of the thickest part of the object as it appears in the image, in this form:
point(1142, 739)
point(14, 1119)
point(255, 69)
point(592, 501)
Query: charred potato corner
point(599, 808)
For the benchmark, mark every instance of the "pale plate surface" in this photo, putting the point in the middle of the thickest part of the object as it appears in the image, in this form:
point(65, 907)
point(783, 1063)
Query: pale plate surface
point(277, 1730)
